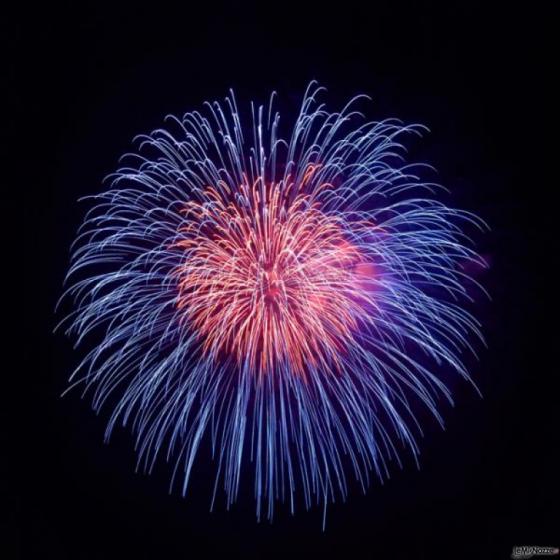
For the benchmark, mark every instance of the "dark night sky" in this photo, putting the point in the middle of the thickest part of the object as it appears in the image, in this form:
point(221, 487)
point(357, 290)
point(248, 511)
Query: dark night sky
point(89, 78)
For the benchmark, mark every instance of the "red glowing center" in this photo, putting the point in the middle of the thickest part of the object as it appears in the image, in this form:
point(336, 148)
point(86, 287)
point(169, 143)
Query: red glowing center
point(269, 278)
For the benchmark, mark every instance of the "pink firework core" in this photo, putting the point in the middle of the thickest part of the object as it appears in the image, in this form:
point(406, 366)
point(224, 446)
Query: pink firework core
point(269, 278)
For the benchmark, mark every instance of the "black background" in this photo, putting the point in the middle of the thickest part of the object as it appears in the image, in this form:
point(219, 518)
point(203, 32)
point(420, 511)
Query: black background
point(89, 78)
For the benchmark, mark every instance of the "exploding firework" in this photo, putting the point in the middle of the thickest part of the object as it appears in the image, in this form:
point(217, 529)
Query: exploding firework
point(290, 298)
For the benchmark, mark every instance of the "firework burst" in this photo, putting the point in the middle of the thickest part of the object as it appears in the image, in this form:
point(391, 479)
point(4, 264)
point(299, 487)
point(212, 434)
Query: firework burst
point(289, 298)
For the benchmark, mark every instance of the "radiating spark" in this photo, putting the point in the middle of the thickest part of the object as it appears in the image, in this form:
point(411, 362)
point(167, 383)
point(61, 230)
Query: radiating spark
point(292, 298)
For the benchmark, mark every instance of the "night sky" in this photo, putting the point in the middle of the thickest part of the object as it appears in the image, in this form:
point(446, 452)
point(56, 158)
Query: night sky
point(87, 79)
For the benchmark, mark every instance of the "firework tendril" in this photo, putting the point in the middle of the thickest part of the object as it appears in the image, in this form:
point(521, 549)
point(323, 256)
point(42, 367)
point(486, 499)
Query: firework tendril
point(291, 300)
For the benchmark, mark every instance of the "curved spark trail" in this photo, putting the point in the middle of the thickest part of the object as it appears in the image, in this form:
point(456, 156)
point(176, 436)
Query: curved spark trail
point(289, 298)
